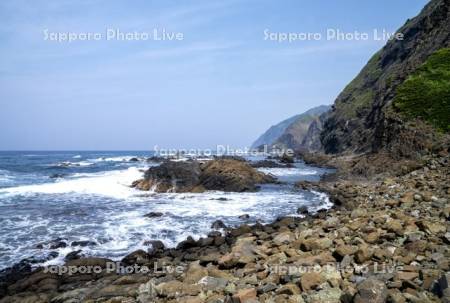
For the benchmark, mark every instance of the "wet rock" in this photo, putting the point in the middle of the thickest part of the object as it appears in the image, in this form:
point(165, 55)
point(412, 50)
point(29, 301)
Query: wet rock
point(154, 245)
point(218, 224)
point(285, 158)
point(53, 244)
point(190, 176)
point(171, 176)
point(244, 217)
point(73, 255)
point(83, 243)
point(153, 214)
point(231, 175)
point(188, 243)
point(302, 210)
point(137, 257)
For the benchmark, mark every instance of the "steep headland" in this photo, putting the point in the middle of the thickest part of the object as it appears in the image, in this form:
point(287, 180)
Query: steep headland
point(298, 132)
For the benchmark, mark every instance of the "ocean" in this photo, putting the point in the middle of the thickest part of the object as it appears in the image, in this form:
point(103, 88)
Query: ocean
point(86, 196)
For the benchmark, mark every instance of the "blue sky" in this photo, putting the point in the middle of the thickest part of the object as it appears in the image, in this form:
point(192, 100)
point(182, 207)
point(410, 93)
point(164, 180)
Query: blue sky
point(222, 84)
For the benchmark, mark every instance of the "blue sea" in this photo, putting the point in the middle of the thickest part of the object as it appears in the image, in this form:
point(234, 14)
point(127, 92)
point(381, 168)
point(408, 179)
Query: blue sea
point(86, 196)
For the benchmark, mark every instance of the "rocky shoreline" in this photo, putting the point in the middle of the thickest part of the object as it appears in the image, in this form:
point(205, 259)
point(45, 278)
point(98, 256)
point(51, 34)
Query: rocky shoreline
point(385, 240)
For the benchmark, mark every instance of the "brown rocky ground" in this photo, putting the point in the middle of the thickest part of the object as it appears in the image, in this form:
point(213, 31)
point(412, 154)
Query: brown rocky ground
point(387, 241)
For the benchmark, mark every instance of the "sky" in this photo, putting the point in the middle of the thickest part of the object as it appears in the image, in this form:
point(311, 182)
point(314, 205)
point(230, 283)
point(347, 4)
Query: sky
point(224, 81)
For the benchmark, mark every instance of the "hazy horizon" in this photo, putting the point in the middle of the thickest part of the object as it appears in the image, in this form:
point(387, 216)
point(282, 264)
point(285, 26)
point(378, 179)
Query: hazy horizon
point(222, 84)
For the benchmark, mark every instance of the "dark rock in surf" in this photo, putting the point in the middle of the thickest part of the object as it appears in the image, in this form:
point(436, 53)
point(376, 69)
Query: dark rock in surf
point(191, 176)
point(153, 214)
point(302, 210)
point(218, 224)
point(83, 243)
point(73, 255)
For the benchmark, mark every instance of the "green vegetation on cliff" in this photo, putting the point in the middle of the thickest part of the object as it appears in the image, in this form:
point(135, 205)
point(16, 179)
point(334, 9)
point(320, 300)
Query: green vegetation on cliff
point(426, 93)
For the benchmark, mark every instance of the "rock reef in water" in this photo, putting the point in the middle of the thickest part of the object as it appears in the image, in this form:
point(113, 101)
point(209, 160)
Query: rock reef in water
point(193, 176)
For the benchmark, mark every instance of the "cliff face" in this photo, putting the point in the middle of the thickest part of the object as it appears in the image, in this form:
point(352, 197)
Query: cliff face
point(298, 132)
point(362, 119)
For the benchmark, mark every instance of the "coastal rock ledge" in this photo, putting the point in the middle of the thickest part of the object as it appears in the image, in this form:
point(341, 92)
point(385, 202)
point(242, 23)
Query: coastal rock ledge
point(193, 176)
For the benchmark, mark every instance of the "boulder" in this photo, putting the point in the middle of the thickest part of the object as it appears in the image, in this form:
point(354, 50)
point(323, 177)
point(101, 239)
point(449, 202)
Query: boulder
point(311, 280)
point(191, 176)
point(232, 175)
point(171, 176)
point(218, 224)
point(371, 291)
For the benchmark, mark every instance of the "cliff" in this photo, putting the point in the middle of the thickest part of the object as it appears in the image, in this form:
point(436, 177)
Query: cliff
point(364, 118)
point(298, 132)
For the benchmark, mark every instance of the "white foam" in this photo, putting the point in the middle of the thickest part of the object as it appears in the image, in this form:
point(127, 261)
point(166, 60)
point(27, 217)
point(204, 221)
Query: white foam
point(114, 184)
point(288, 171)
point(113, 159)
point(77, 157)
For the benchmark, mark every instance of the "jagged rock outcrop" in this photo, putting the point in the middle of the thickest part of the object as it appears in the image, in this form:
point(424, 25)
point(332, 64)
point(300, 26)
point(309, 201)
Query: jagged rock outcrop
point(298, 132)
point(362, 120)
point(192, 176)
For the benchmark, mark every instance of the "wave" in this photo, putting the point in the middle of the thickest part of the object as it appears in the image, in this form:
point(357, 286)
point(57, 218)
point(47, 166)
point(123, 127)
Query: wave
point(114, 159)
point(73, 164)
point(77, 157)
point(115, 184)
point(278, 172)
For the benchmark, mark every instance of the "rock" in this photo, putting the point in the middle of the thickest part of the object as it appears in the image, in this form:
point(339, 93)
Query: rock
point(371, 291)
point(405, 275)
point(232, 175)
point(218, 224)
point(212, 283)
point(285, 158)
point(288, 289)
point(359, 212)
point(407, 198)
point(310, 280)
point(173, 289)
point(328, 295)
point(302, 210)
point(244, 217)
point(73, 255)
point(53, 244)
point(268, 287)
point(441, 287)
point(171, 176)
point(89, 262)
point(195, 273)
point(188, 243)
point(137, 257)
point(345, 250)
point(155, 246)
point(153, 214)
point(83, 243)
point(363, 254)
point(283, 238)
point(190, 176)
point(246, 295)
